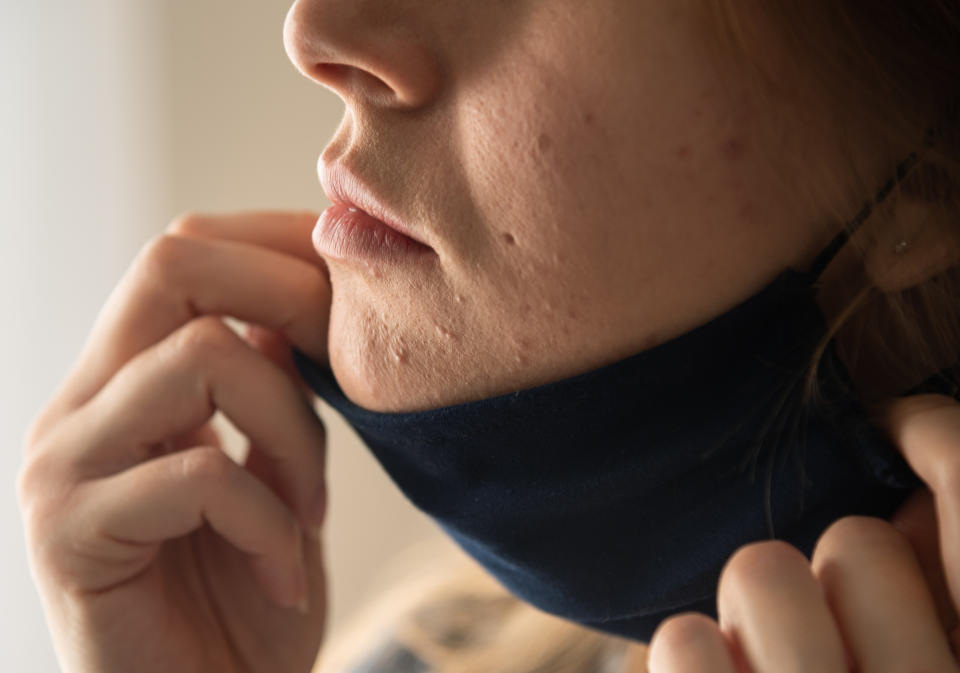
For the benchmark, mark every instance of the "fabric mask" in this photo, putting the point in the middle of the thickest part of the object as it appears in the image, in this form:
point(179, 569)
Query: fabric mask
point(615, 497)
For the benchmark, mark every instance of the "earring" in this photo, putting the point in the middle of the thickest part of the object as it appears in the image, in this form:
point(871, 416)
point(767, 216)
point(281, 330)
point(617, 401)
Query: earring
point(901, 246)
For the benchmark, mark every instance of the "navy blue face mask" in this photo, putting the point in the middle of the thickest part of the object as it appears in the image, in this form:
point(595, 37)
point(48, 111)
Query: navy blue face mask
point(615, 497)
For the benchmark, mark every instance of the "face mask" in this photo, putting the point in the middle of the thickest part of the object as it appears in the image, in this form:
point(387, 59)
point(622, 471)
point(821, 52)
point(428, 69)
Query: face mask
point(615, 497)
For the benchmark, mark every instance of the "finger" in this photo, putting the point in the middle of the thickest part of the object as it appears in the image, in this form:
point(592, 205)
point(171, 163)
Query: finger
point(278, 349)
point(876, 590)
point(174, 280)
point(689, 643)
point(926, 428)
point(124, 518)
point(771, 605)
point(916, 520)
point(281, 231)
point(173, 387)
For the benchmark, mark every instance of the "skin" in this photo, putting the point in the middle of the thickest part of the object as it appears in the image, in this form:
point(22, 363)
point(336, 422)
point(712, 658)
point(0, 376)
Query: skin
point(605, 158)
point(148, 543)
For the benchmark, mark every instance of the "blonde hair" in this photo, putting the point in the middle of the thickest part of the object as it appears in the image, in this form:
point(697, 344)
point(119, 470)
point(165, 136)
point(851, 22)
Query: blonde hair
point(455, 618)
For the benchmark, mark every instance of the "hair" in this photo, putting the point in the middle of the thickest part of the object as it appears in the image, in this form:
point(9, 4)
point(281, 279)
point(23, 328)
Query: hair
point(894, 67)
point(444, 614)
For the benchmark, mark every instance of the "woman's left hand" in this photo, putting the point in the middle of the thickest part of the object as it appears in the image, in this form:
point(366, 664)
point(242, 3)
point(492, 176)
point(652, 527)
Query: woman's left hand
point(875, 596)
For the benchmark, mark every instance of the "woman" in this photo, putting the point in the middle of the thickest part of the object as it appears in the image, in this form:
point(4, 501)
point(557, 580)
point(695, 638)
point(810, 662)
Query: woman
point(544, 212)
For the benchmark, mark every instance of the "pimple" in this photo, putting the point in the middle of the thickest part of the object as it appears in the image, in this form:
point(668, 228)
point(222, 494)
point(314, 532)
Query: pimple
point(444, 332)
point(510, 239)
point(733, 149)
point(399, 354)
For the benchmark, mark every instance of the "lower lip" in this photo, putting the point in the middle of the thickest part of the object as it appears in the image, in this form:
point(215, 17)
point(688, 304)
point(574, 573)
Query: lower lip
point(345, 233)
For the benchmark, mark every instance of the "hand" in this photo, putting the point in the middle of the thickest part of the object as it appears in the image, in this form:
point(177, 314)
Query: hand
point(862, 605)
point(153, 550)
point(875, 597)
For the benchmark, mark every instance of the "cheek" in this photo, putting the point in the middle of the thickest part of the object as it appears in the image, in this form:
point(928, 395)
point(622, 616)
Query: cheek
point(532, 153)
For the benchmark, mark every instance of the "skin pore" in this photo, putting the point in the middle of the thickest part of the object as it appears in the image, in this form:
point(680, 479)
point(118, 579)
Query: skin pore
point(594, 178)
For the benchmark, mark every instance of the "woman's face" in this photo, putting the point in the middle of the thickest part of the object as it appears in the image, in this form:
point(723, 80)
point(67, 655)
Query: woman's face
point(592, 179)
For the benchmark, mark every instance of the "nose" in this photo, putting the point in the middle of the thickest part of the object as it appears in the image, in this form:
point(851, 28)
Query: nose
point(366, 51)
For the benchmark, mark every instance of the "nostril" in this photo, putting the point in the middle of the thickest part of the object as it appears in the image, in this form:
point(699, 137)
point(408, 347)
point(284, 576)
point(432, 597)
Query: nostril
point(349, 78)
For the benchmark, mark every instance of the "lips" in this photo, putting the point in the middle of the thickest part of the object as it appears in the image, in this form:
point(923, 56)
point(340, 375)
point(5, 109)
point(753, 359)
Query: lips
point(358, 227)
point(343, 187)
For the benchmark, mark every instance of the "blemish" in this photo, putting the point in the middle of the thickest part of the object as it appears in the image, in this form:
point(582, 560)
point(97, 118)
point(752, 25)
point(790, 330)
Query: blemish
point(444, 332)
point(733, 148)
point(588, 119)
point(544, 142)
point(510, 239)
point(683, 151)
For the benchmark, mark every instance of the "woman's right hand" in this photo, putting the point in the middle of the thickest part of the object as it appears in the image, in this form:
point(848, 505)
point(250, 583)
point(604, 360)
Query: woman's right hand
point(152, 550)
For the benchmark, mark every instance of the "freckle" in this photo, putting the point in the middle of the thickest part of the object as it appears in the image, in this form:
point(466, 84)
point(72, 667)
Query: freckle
point(733, 148)
point(588, 119)
point(683, 151)
point(544, 142)
point(510, 239)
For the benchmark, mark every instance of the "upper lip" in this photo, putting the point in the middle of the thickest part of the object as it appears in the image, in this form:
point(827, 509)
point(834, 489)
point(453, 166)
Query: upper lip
point(343, 187)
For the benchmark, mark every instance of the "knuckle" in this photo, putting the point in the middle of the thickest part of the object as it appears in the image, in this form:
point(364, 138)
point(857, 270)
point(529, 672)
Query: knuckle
point(39, 495)
point(682, 632)
point(205, 465)
point(204, 340)
point(760, 564)
point(160, 257)
point(859, 534)
point(187, 224)
point(33, 478)
point(26, 484)
point(947, 476)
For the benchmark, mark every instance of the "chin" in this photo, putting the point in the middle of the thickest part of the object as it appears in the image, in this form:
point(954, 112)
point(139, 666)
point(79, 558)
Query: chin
point(384, 364)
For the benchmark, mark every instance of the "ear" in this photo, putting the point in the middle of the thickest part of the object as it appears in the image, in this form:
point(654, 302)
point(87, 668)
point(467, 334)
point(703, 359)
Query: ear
point(915, 245)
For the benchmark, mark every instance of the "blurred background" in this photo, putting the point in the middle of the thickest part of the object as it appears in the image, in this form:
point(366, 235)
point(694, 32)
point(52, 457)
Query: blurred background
point(116, 116)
